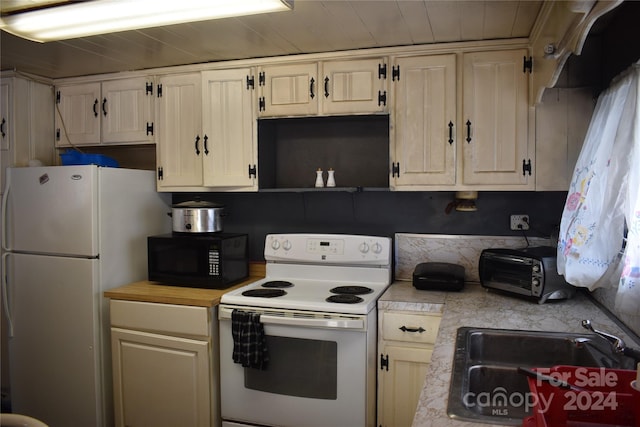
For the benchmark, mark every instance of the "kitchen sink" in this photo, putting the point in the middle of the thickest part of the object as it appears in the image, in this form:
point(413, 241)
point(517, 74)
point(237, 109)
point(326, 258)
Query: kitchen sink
point(485, 383)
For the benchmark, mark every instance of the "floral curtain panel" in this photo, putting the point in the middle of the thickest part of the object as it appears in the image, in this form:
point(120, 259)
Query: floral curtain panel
point(604, 199)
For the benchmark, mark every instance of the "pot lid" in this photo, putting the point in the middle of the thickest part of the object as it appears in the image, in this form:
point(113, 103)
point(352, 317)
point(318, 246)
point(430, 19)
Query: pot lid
point(197, 204)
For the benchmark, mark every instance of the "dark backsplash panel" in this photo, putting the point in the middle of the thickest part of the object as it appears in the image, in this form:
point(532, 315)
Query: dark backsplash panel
point(381, 213)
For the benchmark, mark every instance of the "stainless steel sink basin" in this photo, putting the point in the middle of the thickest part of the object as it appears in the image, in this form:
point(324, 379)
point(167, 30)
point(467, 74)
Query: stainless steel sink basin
point(485, 383)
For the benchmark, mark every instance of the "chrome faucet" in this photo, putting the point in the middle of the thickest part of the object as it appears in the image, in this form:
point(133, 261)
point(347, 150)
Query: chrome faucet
point(616, 342)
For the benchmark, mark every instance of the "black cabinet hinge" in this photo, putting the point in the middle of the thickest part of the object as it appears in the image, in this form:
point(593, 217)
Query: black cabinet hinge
point(251, 82)
point(384, 362)
point(159, 91)
point(395, 170)
point(382, 71)
point(395, 72)
point(160, 174)
point(58, 97)
point(527, 64)
point(526, 167)
point(149, 128)
point(382, 98)
point(58, 134)
point(149, 88)
point(253, 171)
point(261, 78)
point(261, 104)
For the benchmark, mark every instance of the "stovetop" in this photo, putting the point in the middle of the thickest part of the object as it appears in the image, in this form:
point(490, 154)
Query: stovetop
point(310, 295)
point(319, 272)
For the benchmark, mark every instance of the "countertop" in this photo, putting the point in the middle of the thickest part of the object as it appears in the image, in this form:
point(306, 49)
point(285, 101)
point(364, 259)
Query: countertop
point(475, 306)
point(146, 291)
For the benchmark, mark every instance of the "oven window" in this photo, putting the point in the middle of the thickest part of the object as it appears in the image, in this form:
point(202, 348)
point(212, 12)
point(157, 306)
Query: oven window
point(297, 367)
point(510, 273)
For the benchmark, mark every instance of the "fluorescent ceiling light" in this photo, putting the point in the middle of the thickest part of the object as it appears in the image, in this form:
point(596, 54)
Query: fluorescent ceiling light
point(87, 18)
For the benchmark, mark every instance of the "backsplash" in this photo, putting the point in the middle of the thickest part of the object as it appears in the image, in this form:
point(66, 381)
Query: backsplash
point(412, 249)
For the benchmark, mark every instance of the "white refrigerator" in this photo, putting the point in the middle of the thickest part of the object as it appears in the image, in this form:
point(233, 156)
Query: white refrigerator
point(70, 233)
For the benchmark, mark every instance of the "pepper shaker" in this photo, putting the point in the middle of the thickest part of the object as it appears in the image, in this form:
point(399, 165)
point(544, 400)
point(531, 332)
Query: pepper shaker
point(331, 181)
point(319, 180)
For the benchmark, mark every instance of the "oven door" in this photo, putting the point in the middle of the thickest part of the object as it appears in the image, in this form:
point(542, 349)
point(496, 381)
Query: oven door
point(319, 373)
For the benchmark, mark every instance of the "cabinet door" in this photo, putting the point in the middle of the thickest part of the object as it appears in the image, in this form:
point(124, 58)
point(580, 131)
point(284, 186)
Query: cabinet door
point(353, 86)
point(291, 89)
point(127, 110)
point(495, 118)
point(179, 144)
point(78, 114)
point(160, 380)
point(402, 384)
point(425, 117)
point(228, 128)
point(5, 114)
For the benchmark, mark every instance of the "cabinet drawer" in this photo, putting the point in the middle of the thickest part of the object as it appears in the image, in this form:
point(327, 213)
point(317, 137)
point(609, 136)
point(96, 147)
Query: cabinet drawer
point(420, 328)
point(162, 318)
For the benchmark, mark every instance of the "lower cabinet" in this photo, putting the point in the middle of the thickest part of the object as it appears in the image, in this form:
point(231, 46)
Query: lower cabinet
point(405, 343)
point(164, 367)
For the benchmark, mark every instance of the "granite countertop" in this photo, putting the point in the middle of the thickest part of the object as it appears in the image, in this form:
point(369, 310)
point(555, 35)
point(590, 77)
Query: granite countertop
point(475, 306)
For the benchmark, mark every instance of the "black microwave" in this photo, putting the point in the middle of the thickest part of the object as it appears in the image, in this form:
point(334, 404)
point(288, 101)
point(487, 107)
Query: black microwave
point(206, 260)
point(529, 272)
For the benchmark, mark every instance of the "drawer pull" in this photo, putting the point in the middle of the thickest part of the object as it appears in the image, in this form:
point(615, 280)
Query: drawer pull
point(405, 329)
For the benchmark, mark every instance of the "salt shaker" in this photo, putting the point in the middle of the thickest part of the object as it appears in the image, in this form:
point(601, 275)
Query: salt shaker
point(319, 180)
point(331, 181)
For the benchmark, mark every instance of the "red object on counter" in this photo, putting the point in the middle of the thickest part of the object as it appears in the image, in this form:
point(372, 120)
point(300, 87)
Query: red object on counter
point(595, 397)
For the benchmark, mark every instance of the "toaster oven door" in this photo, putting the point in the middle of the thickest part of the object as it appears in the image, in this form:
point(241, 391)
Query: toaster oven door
point(509, 272)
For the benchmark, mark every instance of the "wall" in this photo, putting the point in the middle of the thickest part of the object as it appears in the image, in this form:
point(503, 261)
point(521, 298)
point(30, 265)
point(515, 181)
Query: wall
point(380, 212)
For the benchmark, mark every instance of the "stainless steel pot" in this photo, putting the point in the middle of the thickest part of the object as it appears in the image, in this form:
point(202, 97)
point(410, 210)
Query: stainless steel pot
point(197, 217)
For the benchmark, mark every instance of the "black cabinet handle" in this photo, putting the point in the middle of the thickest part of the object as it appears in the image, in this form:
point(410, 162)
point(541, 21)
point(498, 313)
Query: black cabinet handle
point(95, 108)
point(405, 329)
point(197, 148)
point(326, 87)
point(104, 106)
point(311, 89)
point(468, 131)
point(4, 122)
point(206, 148)
point(450, 133)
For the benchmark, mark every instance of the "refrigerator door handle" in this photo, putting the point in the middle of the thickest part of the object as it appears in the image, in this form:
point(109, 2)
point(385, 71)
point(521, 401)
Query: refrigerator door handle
point(5, 295)
point(5, 200)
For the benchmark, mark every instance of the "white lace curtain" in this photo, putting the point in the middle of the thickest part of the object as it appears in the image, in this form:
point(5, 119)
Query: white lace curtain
point(604, 195)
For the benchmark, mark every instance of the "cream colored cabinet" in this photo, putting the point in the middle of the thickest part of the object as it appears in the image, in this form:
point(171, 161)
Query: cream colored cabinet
point(406, 343)
point(562, 121)
point(495, 115)
point(207, 133)
point(425, 131)
point(481, 143)
point(26, 122)
point(165, 367)
point(288, 89)
point(109, 112)
point(352, 86)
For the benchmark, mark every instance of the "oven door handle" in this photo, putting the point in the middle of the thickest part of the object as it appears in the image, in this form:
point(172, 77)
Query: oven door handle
point(225, 314)
point(313, 323)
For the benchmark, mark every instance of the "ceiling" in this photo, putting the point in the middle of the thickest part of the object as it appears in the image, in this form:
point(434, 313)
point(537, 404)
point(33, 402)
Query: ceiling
point(313, 26)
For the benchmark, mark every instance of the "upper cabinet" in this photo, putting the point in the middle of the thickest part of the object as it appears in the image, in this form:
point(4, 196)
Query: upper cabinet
point(207, 132)
point(353, 86)
point(478, 140)
point(495, 114)
point(109, 112)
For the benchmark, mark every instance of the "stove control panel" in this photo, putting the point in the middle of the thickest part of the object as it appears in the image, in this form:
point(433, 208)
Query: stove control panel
point(328, 248)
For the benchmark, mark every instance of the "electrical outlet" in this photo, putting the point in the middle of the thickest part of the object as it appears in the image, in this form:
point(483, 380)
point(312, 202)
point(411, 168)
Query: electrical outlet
point(519, 222)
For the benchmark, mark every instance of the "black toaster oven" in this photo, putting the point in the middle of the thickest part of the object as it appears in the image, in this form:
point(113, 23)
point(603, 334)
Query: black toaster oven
point(529, 272)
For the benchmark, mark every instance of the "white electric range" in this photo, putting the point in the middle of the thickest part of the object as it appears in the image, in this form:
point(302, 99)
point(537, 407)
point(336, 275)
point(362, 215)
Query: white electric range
point(316, 307)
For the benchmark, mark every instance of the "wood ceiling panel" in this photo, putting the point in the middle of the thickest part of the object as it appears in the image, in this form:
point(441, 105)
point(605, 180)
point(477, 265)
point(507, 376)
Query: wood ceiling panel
point(444, 18)
point(415, 16)
point(313, 26)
